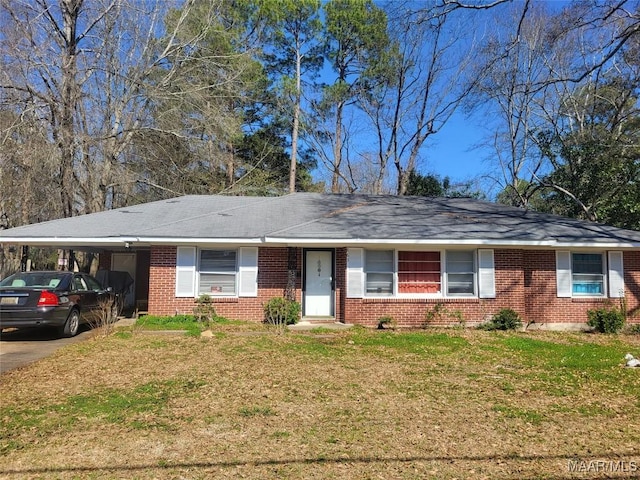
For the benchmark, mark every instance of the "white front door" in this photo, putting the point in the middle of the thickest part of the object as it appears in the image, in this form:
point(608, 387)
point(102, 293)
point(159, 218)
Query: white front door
point(318, 298)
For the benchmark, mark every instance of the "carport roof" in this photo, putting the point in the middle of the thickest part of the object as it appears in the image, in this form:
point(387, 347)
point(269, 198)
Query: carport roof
point(322, 219)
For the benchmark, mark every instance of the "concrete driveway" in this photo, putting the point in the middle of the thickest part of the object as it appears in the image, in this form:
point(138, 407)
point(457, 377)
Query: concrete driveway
point(21, 347)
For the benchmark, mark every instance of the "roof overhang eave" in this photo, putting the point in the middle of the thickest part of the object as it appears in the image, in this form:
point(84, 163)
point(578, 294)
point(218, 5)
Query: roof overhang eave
point(64, 241)
point(128, 241)
point(131, 241)
point(490, 243)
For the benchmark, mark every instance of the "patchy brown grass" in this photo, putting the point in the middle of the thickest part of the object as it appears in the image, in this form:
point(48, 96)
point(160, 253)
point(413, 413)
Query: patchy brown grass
point(359, 404)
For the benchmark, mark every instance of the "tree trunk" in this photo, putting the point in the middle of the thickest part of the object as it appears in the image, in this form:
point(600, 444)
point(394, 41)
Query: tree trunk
point(296, 126)
point(68, 99)
point(337, 150)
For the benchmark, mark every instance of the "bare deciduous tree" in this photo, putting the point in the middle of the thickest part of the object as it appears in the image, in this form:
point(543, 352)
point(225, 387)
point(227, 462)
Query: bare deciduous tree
point(95, 100)
point(514, 63)
point(429, 79)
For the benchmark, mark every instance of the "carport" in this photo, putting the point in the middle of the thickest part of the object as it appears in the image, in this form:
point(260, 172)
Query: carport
point(125, 269)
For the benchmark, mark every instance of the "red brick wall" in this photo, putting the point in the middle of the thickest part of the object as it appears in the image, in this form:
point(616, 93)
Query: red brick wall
point(543, 306)
point(272, 280)
point(413, 312)
point(162, 278)
point(525, 282)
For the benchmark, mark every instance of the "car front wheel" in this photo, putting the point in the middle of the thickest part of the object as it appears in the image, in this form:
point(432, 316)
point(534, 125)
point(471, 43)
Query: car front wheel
point(72, 325)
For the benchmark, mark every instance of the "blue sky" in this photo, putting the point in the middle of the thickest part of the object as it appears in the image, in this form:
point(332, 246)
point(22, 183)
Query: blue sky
point(455, 152)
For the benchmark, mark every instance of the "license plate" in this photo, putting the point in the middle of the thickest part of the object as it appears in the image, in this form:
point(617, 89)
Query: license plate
point(8, 300)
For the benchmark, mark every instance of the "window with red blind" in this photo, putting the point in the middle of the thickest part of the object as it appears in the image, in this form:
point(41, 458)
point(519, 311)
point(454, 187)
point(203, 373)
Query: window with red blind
point(419, 272)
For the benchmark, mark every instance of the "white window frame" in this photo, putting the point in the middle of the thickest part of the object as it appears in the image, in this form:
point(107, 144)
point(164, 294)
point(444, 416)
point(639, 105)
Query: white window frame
point(602, 275)
point(200, 272)
point(393, 272)
point(439, 294)
point(474, 273)
point(612, 274)
point(187, 284)
point(357, 274)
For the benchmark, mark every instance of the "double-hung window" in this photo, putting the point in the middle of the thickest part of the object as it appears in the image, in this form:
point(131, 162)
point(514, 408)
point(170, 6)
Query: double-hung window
point(590, 274)
point(461, 272)
point(587, 274)
point(217, 271)
point(379, 272)
point(386, 273)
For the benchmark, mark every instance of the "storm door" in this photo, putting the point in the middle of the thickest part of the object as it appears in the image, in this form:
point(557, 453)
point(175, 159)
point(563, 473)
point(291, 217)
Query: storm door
point(319, 296)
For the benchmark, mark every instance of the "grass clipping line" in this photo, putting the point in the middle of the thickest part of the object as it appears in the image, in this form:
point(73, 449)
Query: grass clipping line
point(357, 404)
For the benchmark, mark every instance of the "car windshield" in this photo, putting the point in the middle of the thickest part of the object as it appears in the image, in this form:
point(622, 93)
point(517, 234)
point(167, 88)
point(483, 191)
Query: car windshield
point(34, 279)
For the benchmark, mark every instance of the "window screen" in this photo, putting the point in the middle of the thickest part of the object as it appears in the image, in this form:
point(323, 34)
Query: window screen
point(587, 274)
point(379, 272)
point(217, 272)
point(460, 273)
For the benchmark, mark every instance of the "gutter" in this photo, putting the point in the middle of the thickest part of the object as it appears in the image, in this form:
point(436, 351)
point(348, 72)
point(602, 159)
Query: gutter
point(131, 242)
point(440, 242)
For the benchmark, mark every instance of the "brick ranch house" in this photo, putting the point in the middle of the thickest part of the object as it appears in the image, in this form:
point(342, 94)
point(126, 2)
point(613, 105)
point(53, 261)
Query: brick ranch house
point(357, 258)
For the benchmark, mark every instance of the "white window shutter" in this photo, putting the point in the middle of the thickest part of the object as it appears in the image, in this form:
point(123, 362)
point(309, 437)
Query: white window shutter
point(186, 272)
point(355, 273)
point(248, 272)
point(486, 274)
point(563, 273)
point(616, 275)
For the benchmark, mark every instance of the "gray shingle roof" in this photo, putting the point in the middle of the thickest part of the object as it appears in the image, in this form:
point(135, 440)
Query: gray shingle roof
point(321, 218)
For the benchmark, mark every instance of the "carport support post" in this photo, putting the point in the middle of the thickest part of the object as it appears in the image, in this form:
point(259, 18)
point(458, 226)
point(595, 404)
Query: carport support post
point(24, 260)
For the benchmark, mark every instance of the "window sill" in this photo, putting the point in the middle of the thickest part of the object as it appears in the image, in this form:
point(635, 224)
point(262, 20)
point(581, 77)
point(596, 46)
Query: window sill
point(425, 300)
point(221, 299)
point(585, 298)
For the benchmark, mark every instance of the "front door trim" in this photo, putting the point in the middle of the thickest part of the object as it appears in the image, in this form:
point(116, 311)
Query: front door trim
point(330, 294)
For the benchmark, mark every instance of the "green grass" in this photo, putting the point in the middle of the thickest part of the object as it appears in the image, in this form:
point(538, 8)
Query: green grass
point(126, 407)
point(452, 401)
point(187, 323)
point(563, 368)
point(414, 343)
point(256, 411)
point(527, 415)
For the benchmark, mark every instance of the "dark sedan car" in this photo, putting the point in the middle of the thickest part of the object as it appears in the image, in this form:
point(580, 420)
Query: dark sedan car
point(57, 299)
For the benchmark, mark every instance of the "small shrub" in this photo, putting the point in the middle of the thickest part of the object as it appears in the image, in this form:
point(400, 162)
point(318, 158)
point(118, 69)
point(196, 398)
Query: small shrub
point(104, 318)
point(505, 319)
point(634, 329)
point(205, 311)
point(441, 314)
point(281, 312)
point(386, 322)
point(605, 320)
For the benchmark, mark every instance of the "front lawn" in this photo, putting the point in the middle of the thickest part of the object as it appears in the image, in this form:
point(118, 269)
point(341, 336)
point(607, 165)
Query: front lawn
point(247, 403)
